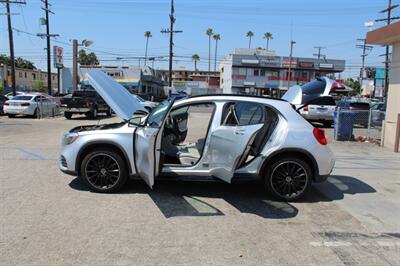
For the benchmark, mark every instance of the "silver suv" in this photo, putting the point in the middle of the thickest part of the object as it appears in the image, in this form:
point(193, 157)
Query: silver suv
point(207, 137)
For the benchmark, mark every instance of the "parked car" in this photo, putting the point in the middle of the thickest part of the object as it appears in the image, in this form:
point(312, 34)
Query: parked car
point(320, 110)
point(29, 104)
point(10, 94)
point(212, 136)
point(3, 99)
point(360, 109)
point(148, 105)
point(378, 113)
point(87, 102)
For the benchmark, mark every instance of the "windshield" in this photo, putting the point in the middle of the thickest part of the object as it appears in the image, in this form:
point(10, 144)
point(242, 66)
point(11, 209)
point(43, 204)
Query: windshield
point(22, 98)
point(156, 117)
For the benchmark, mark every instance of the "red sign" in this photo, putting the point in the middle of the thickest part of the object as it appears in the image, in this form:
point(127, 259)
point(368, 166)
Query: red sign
point(238, 76)
point(306, 64)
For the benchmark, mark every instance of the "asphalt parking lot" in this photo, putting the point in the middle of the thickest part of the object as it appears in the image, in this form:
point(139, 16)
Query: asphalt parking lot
point(50, 218)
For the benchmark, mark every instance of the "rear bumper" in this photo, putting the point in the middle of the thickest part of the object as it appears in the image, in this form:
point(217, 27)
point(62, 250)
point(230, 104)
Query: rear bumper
point(77, 110)
point(318, 117)
point(18, 111)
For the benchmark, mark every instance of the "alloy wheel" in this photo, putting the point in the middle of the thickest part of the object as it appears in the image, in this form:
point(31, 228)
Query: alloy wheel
point(289, 179)
point(102, 171)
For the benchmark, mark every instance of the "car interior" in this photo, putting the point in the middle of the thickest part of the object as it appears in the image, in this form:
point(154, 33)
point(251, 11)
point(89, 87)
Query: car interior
point(183, 138)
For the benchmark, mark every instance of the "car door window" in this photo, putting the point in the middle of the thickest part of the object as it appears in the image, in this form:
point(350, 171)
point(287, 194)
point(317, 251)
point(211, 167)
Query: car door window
point(242, 114)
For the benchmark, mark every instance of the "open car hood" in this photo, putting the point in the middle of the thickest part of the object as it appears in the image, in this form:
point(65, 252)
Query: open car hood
point(116, 96)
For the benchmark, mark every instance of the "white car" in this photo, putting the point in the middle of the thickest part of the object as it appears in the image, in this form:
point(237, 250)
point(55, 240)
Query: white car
point(148, 105)
point(29, 104)
point(203, 137)
point(10, 94)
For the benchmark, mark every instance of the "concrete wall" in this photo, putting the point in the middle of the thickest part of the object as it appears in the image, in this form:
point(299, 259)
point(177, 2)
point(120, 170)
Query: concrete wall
point(393, 99)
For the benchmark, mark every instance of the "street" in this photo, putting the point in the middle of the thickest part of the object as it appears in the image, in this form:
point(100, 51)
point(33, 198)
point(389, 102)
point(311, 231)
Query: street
point(50, 218)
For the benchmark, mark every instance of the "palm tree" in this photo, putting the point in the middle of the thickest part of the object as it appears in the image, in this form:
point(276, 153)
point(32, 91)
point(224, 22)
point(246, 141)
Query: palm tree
point(216, 37)
point(209, 33)
point(250, 34)
point(148, 35)
point(195, 58)
point(268, 36)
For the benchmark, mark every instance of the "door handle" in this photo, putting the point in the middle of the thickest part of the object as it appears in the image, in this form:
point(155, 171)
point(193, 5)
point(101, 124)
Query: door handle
point(239, 132)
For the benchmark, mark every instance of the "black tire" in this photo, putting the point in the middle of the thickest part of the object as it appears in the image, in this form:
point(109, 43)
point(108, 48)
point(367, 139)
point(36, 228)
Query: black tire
point(67, 115)
point(327, 124)
point(288, 178)
point(93, 113)
point(109, 112)
point(11, 116)
point(100, 174)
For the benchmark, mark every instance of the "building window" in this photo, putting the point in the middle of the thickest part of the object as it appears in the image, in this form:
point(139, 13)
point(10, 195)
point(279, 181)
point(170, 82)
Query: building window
point(53, 77)
point(33, 76)
point(25, 74)
point(20, 74)
point(262, 72)
point(256, 72)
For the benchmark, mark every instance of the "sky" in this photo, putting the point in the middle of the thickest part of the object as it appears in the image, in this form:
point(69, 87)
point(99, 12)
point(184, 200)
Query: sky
point(117, 29)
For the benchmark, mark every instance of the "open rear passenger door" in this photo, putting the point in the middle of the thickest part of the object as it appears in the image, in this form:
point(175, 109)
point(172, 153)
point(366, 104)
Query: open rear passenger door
point(230, 143)
point(148, 141)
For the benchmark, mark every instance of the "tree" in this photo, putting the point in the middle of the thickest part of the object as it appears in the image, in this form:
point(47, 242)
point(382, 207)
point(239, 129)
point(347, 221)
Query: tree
point(148, 35)
point(38, 85)
point(250, 35)
point(89, 59)
point(209, 33)
point(19, 62)
point(195, 58)
point(354, 84)
point(216, 37)
point(268, 36)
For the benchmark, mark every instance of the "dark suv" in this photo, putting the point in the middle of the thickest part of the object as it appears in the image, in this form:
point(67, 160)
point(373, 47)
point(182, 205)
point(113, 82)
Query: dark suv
point(87, 102)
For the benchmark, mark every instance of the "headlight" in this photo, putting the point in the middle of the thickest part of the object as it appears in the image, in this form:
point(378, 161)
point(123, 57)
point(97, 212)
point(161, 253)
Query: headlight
point(69, 138)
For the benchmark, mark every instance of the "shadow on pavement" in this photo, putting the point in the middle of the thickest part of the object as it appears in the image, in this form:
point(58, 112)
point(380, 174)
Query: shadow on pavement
point(189, 198)
point(84, 117)
point(335, 188)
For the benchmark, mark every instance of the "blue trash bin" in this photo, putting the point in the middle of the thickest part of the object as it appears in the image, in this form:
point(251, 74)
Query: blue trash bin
point(343, 125)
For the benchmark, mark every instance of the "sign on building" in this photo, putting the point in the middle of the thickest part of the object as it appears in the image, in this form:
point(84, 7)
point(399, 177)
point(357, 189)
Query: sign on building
point(58, 57)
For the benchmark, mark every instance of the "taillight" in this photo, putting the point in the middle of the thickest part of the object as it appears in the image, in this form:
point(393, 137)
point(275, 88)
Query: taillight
point(305, 108)
point(7, 103)
point(319, 134)
point(25, 104)
point(88, 103)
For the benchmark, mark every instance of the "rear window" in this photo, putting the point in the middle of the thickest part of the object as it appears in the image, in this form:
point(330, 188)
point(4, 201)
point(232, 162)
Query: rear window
point(360, 105)
point(325, 101)
point(22, 98)
point(83, 94)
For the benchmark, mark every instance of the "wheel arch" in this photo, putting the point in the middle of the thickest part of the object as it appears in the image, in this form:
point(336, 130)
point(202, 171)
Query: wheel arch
point(88, 147)
point(294, 152)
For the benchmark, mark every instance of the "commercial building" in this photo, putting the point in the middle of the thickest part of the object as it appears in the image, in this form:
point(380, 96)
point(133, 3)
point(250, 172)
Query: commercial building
point(193, 82)
point(390, 35)
point(26, 79)
point(261, 72)
point(138, 80)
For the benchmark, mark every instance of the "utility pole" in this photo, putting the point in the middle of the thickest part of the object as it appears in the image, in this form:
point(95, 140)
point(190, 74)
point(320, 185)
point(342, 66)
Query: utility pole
point(290, 63)
point(11, 43)
point(364, 48)
point(388, 20)
point(318, 54)
point(171, 32)
point(74, 65)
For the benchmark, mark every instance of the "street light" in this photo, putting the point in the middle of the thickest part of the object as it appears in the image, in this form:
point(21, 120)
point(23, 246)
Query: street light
point(85, 43)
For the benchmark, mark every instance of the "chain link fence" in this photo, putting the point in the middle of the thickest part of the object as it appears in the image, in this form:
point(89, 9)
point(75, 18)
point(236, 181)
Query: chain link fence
point(358, 125)
point(49, 107)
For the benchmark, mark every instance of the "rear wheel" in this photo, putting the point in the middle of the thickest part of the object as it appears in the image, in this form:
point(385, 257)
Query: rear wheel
point(327, 124)
point(109, 112)
point(11, 116)
point(104, 170)
point(288, 178)
point(93, 113)
point(67, 115)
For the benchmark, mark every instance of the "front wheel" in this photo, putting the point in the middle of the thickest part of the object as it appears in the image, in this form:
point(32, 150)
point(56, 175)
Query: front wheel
point(288, 178)
point(11, 116)
point(104, 170)
point(67, 115)
point(93, 114)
